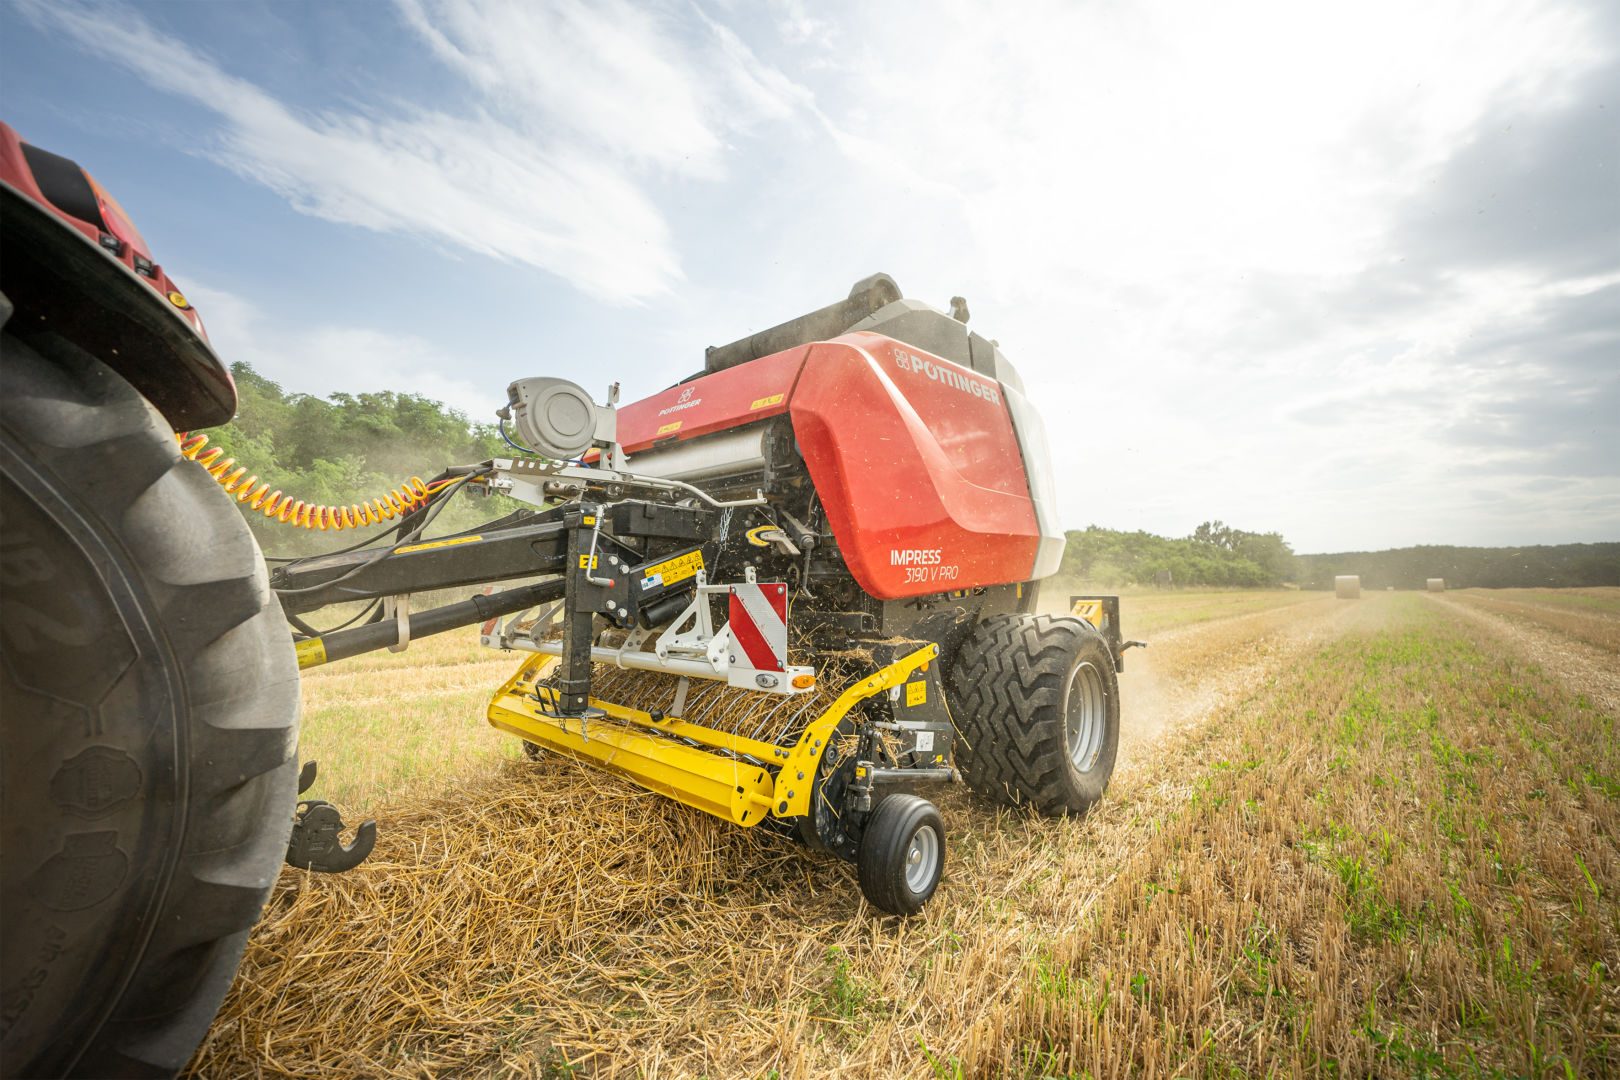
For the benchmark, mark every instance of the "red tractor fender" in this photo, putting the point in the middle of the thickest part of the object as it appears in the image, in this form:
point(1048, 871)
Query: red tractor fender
point(76, 266)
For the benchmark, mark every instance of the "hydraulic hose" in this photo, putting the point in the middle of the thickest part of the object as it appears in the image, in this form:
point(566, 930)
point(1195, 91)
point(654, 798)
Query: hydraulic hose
point(248, 490)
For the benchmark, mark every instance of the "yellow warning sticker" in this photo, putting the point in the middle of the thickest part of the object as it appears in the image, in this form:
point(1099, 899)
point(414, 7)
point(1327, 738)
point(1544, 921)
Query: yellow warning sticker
point(765, 402)
point(916, 693)
point(451, 542)
point(588, 562)
point(672, 426)
point(1089, 610)
point(671, 571)
point(311, 652)
point(588, 520)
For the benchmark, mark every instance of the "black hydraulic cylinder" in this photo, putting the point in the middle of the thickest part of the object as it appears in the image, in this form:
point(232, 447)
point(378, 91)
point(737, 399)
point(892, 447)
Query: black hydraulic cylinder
point(342, 644)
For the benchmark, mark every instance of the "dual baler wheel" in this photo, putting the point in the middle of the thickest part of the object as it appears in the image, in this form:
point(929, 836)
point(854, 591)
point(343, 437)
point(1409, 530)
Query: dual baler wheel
point(1036, 700)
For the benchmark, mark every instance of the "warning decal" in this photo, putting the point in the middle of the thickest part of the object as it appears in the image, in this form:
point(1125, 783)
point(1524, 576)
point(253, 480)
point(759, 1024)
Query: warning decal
point(1089, 610)
point(672, 571)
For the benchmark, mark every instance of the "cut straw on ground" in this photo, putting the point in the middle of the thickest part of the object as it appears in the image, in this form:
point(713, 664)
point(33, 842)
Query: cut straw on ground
point(1389, 848)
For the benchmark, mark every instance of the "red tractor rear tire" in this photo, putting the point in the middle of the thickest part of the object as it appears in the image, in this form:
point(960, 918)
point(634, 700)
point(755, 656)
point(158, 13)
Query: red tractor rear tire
point(148, 722)
point(1036, 701)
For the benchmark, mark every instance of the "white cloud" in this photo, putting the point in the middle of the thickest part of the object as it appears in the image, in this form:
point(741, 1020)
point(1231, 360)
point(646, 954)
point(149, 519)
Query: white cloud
point(601, 70)
point(635, 82)
point(574, 97)
point(326, 358)
point(1133, 188)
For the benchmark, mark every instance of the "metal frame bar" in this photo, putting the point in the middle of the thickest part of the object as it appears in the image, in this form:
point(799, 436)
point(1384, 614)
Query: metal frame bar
point(649, 751)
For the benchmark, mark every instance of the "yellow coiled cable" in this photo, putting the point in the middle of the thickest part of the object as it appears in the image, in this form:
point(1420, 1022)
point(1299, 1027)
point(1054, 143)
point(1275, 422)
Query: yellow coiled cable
point(411, 495)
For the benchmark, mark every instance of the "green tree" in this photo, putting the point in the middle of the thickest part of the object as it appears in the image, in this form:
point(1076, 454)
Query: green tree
point(347, 450)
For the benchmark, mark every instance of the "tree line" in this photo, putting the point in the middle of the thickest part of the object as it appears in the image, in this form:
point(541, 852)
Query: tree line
point(1540, 566)
point(348, 448)
point(1215, 554)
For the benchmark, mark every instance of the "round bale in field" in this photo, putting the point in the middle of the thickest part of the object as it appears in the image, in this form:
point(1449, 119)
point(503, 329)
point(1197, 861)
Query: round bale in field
point(1347, 587)
point(1437, 584)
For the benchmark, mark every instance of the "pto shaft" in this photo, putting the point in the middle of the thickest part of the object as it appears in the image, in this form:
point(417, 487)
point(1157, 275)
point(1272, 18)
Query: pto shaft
point(342, 644)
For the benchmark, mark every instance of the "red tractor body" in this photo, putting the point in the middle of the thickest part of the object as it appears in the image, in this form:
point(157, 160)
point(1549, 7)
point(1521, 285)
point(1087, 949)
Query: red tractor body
point(77, 264)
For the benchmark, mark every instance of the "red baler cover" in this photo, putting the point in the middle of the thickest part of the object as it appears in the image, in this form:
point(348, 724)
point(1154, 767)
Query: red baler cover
point(914, 457)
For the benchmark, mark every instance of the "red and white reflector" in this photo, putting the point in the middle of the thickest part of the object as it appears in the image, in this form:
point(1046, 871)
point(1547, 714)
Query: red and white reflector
point(758, 616)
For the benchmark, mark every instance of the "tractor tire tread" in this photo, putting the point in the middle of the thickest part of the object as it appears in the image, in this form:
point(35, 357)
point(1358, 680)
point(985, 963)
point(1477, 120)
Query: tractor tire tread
point(93, 437)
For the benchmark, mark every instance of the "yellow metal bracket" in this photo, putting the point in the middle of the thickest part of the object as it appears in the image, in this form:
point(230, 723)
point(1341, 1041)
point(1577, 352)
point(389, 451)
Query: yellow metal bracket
point(793, 783)
point(1088, 609)
point(657, 753)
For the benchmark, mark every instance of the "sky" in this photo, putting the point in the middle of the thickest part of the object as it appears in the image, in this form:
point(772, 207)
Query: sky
point(1346, 272)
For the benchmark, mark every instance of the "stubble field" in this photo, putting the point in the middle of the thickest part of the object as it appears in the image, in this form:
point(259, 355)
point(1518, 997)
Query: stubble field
point(1350, 838)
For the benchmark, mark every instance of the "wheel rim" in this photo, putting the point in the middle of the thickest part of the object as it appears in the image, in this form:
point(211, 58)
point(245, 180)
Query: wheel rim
point(922, 859)
point(1087, 718)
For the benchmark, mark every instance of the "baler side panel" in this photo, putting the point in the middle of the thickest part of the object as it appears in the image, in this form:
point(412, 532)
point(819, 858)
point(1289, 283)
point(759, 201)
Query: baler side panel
point(743, 394)
point(917, 466)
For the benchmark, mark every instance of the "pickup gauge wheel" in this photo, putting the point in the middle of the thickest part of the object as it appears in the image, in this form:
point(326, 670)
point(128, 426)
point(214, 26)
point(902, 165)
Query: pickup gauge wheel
point(902, 854)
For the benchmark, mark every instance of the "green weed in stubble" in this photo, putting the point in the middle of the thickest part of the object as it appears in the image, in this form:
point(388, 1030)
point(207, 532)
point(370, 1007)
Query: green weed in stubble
point(945, 1068)
point(1261, 953)
point(846, 995)
point(1052, 979)
point(1404, 1050)
point(1609, 786)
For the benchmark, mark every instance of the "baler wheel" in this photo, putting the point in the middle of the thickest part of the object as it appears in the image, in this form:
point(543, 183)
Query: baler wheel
point(148, 721)
point(1036, 701)
point(902, 854)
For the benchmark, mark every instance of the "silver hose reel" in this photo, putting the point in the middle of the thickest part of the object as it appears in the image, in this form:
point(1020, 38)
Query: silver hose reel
point(557, 418)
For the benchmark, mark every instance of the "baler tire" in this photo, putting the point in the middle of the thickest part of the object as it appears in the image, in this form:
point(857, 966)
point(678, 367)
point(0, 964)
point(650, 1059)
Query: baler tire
point(1017, 685)
point(902, 854)
point(150, 700)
